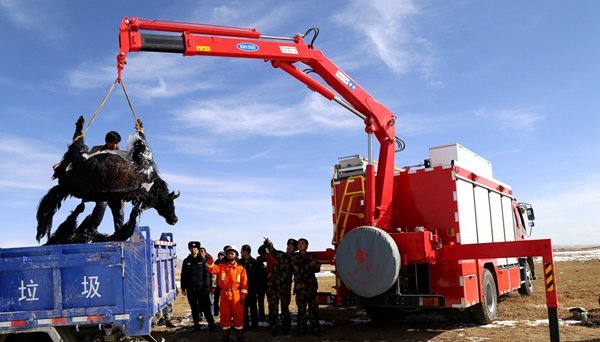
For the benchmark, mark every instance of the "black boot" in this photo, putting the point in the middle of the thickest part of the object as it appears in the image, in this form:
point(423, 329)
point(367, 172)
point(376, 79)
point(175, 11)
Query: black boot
point(239, 334)
point(226, 333)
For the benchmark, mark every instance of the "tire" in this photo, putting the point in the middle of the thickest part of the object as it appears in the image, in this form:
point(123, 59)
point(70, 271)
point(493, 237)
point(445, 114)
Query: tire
point(486, 311)
point(526, 288)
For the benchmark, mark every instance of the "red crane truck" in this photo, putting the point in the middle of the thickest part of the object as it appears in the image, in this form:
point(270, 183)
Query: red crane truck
point(442, 235)
point(450, 199)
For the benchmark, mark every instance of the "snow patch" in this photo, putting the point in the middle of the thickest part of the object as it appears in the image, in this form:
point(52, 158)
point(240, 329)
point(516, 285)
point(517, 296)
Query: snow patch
point(500, 324)
point(584, 255)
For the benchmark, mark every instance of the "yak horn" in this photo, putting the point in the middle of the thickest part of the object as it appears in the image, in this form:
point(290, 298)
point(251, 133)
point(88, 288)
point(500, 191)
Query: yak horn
point(174, 195)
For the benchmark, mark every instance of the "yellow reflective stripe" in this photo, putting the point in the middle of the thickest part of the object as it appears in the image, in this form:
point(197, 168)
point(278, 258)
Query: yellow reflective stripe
point(223, 276)
point(244, 291)
point(549, 274)
point(238, 278)
point(210, 265)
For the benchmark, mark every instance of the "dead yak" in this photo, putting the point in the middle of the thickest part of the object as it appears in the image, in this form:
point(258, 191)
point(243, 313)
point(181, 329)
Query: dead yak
point(130, 175)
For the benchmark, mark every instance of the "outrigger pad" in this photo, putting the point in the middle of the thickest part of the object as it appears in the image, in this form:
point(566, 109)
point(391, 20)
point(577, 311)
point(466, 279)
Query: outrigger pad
point(368, 261)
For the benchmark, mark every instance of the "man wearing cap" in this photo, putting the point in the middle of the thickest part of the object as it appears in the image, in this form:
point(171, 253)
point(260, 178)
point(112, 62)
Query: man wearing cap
point(279, 284)
point(233, 282)
point(112, 140)
point(195, 283)
point(305, 266)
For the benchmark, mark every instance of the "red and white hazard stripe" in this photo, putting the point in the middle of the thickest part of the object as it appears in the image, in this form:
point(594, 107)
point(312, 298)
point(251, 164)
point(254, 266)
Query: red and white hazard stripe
point(62, 321)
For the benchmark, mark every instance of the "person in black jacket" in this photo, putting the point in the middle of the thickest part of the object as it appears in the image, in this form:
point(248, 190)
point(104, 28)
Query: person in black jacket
point(261, 283)
point(250, 304)
point(195, 283)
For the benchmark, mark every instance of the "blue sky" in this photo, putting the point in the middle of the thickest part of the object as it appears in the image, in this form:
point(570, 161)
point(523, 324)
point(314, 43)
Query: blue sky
point(252, 150)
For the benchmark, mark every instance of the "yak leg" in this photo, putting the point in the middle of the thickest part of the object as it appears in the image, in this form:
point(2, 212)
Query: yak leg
point(49, 205)
point(81, 233)
point(67, 228)
point(87, 232)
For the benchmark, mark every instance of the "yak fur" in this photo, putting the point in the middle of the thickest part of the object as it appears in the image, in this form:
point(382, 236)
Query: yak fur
point(107, 175)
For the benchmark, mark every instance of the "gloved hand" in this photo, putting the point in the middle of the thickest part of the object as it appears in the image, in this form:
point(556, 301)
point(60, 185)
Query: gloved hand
point(268, 245)
point(139, 126)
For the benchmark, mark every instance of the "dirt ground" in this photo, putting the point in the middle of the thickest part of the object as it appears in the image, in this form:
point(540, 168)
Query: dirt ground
point(522, 319)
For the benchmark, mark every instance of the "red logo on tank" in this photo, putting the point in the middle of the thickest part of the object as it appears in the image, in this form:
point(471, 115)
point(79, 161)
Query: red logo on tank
point(361, 256)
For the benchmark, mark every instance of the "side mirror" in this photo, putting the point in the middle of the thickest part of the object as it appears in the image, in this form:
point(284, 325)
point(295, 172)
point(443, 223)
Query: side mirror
point(530, 214)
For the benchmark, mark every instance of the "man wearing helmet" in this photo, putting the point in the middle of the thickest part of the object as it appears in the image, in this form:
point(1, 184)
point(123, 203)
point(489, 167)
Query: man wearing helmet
point(195, 283)
point(279, 284)
point(305, 266)
point(233, 282)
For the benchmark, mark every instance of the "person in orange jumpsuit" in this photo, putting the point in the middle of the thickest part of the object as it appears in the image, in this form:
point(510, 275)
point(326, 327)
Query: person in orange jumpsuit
point(233, 282)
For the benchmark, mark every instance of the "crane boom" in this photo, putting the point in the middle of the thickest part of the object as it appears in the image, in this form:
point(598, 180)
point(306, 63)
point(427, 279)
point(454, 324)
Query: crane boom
point(282, 52)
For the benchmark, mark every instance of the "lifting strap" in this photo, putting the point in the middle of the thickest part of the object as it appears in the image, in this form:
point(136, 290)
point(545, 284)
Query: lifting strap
point(138, 126)
point(136, 121)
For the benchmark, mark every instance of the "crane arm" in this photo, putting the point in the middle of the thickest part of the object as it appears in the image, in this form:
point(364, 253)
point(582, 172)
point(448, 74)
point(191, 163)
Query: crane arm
point(282, 52)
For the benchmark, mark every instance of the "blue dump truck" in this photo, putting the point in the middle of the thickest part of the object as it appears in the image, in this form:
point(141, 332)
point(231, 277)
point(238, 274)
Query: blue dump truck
point(87, 292)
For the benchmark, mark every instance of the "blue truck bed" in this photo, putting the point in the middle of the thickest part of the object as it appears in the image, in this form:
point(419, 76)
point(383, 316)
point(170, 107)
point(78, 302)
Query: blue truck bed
point(119, 284)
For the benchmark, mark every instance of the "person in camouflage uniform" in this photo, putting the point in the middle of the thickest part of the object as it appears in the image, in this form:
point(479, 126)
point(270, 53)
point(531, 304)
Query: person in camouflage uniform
point(279, 284)
point(305, 265)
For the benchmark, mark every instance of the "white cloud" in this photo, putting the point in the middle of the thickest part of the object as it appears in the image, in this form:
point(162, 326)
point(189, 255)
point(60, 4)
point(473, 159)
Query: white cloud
point(223, 14)
point(89, 76)
point(225, 185)
point(34, 17)
point(389, 30)
point(568, 211)
point(259, 15)
point(249, 208)
point(415, 125)
point(192, 145)
point(148, 76)
point(20, 13)
point(249, 116)
point(25, 163)
point(513, 118)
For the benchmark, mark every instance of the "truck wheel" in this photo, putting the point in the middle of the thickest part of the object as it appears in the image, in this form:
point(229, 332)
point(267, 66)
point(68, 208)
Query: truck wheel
point(486, 311)
point(526, 288)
